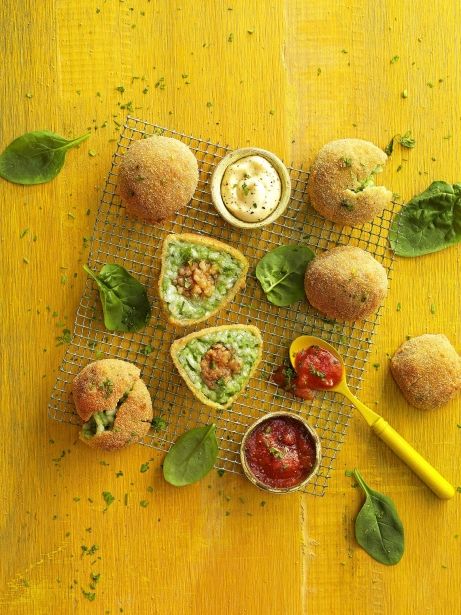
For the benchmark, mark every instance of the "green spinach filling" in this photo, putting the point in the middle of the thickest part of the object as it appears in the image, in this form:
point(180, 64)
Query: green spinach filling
point(102, 421)
point(181, 253)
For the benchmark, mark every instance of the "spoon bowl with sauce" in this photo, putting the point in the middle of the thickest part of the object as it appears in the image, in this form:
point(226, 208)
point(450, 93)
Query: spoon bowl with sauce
point(322, 367)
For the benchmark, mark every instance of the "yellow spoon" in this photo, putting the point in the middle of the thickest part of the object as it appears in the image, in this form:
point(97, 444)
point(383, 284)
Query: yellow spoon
point(407, 453)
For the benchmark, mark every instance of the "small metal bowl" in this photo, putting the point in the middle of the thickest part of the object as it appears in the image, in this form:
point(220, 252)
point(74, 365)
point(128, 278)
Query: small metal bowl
point(216, 181)
point(318, 453)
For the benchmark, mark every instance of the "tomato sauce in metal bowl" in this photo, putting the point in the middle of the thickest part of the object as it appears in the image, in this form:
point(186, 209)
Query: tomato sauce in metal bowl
point(280, 452)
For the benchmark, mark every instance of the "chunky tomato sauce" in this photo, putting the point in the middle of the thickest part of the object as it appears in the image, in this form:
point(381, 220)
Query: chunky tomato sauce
point(316, 369)
point(280, 452)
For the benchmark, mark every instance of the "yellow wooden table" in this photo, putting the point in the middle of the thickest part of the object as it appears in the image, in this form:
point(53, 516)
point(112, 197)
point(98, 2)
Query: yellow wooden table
point(289, 76)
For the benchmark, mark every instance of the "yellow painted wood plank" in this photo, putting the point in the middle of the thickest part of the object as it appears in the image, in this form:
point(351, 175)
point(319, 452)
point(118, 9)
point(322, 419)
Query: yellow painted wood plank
point(340, 65)
point(242, 73)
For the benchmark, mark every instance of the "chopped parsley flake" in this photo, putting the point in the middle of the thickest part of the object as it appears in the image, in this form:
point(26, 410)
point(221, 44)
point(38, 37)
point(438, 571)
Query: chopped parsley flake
point(245, 188)
point(107, 386)
point(276, 452)
point(146, 350)
point(316, 372)
point(89, 550)
point(347, 205)
point(89, 595)
point(65, 338)
point(158, 423)
point(407, 140)
point(108, 497)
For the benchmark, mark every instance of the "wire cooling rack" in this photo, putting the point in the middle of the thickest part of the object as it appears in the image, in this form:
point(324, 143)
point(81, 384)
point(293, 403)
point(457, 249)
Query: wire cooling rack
point(137, 247)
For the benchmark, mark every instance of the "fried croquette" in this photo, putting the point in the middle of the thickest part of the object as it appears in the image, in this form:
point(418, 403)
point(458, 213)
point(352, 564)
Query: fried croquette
point(113, 402)
point(157, 177)
point(345, 283)
point(427, 370)
point(341, 183)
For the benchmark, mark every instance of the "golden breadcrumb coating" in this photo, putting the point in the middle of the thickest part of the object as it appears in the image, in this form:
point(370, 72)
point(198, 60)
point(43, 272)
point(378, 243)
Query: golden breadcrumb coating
point(345, 283)
point(427, 370)
point(157, 177)
point(113, 385)
point(341, 182)
point(132, 421)
point(101, 384)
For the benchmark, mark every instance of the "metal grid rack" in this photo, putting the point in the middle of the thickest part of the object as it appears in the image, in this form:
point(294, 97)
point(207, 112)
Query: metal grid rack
point(136, 246)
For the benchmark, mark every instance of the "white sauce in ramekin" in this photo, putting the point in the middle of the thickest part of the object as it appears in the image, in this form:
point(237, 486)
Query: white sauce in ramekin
point(251, 188)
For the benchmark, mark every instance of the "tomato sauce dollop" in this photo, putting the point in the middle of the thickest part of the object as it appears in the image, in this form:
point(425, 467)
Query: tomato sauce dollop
point(317, 368)
point(280, 452)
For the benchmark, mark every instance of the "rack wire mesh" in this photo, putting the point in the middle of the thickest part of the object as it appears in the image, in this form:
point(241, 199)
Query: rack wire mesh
point(136, 246)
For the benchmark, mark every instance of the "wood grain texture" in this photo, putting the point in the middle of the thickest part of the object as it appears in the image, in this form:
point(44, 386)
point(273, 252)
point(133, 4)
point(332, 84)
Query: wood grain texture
point(288, 76)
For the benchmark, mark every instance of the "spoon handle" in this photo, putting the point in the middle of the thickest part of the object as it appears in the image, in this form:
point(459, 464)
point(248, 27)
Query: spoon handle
point(413, 459)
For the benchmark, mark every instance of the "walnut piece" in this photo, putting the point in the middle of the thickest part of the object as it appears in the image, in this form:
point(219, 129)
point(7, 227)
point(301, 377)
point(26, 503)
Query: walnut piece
point(197, 279)
point(218, 363)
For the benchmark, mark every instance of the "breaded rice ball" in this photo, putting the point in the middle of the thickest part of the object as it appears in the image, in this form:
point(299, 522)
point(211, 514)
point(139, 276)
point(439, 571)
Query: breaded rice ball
point(345, 283)
point(157, 177)
point(427, 370)
point(341, 182)
point(114, 402)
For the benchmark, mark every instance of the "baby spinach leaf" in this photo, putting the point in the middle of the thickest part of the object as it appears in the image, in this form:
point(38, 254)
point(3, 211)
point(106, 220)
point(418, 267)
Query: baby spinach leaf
point(124, 299)
point(378, 528)
point(191, 457)
point(430, 222)
point(36, 157)
point(281, 273)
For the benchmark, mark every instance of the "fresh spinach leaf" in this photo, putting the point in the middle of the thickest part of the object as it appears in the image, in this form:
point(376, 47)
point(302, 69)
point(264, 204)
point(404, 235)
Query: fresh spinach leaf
point(281, 273)
point(36, 157)
point(378, 528)
point(124, 299)
point(430, 222)
point(191, 457)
